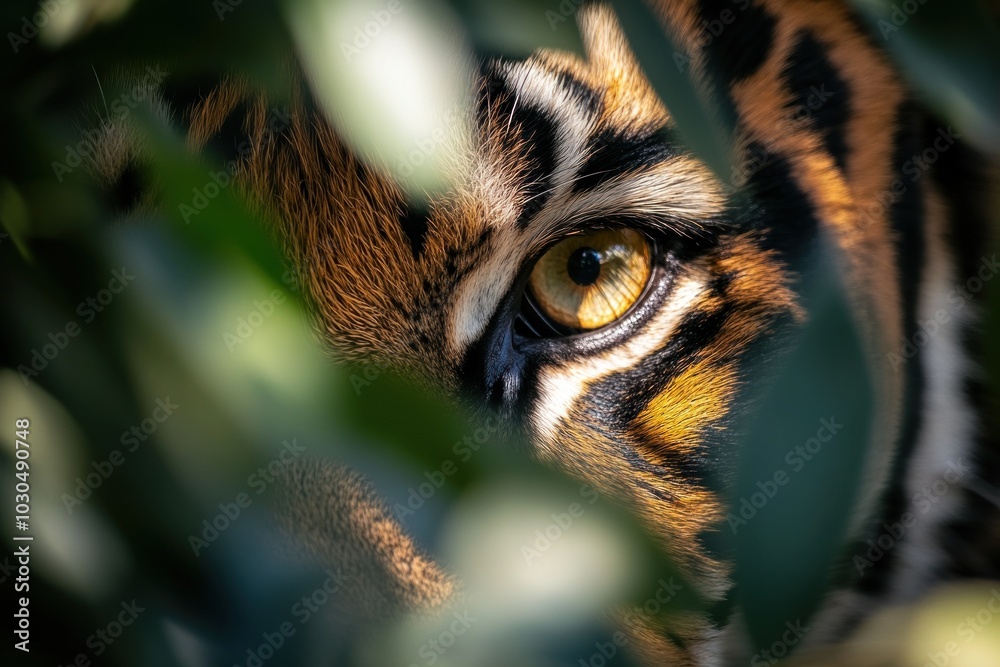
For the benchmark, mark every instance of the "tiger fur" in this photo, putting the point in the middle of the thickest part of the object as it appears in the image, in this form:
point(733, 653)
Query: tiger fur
point(562, 145)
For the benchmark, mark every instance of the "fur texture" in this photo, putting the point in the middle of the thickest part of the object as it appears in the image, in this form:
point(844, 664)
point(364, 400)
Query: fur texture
point(639, 408)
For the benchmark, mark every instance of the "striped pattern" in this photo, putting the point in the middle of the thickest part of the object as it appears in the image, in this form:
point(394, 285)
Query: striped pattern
point(824, 133)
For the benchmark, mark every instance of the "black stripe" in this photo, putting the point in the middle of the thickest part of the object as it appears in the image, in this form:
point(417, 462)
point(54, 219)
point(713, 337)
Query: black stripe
point(780, 210)
point(975, 552)
point(628, 393)
point(646, 379)
point(533, 134)
point(621, 397)
point(538, 134)
point(183, 93)
point(585, 96)
point(413, 218)
point(494, 97)
point(613, 153)
point(232, 140)
point(737, 40)
point(961, 173)
point(127, 190)
point(819, 93)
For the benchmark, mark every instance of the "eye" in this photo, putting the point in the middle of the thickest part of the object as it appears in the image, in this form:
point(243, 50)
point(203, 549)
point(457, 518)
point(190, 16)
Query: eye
point(590, 280)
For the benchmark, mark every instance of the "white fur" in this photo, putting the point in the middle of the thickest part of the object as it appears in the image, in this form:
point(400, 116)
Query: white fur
point(946, 430)
point(560, 386)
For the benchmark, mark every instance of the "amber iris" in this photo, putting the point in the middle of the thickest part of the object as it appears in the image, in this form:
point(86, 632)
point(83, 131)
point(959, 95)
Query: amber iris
point(590, 280)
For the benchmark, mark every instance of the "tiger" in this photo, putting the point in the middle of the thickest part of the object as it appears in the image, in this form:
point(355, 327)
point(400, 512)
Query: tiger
point(594, 285)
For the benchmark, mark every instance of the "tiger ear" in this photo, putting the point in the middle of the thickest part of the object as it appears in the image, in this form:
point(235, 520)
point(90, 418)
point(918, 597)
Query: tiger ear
point(629, 99)
point(604, 41)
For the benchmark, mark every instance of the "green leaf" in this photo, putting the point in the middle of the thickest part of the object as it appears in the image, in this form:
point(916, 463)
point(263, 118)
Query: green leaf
point(800, 467)
point(520, 27)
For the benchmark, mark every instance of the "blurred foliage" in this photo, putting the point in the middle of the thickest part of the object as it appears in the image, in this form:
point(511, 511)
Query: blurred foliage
point(168, 339)
point(950, 52)
point(802, 457)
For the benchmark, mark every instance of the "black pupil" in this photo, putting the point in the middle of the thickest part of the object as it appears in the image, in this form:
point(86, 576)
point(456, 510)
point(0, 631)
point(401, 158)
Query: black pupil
point(584, 266)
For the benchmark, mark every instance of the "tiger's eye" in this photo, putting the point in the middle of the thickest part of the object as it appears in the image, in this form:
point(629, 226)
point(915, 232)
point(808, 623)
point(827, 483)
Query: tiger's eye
point(590, 280)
